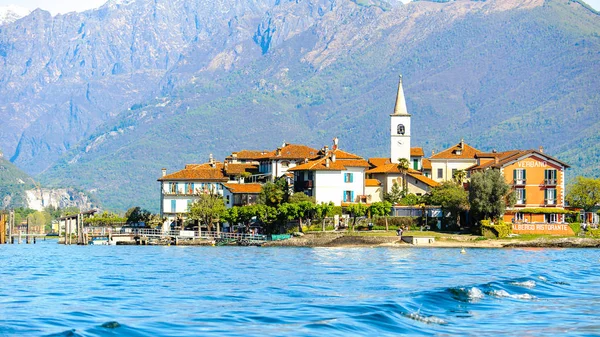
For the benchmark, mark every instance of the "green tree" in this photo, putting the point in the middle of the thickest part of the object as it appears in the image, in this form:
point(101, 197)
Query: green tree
point(403, 167)
point(271, 194)
point(231, 216)
point(357, 210)
point(489, 195)
point(451, 197)
point(381, 208)
point(40, 219)
point(410, 199)
point(321, 211)
point(584, 193)
point(395, 194)
point(300, 197)
point(208, 209)
point(137, 215)
point(288, 212)
point(459, 176)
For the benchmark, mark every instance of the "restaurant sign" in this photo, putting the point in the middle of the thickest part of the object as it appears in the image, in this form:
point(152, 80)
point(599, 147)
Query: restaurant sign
point(556, 229)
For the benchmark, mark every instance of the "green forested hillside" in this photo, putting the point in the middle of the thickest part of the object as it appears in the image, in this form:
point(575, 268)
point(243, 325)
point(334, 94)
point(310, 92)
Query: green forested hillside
point(13, 183)
point(501, 78)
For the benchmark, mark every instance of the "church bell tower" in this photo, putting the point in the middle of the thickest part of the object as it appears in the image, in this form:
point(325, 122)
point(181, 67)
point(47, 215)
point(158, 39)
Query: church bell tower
point(400, 128)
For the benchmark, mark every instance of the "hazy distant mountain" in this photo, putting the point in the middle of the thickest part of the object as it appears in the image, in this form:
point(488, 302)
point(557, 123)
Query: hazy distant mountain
point(9, 14)
point(105, 98)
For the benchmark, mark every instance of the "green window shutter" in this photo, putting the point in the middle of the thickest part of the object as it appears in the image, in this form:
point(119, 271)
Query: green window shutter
point(515, 174)
point(545, 195)
point(524, 195)
point(524, 174)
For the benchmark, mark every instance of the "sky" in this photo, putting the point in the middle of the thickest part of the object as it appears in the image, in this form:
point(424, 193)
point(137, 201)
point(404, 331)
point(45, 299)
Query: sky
point(65, 6)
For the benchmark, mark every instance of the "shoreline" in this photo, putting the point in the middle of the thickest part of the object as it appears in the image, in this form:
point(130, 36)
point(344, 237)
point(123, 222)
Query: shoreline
point(349, 241)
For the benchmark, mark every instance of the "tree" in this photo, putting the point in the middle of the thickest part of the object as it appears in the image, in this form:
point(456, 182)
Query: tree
point(403, 167)
point(410, 199)
point(395, 194)
point(300, 197)
point(137, 215)
point(271, 194)
point(489, 195)
point(381, 208)
point(356, 210)
point(584, 193)
point(208, 209)
point(288, 212)
point(451, 198)
point(459, 177)
point(321, 211)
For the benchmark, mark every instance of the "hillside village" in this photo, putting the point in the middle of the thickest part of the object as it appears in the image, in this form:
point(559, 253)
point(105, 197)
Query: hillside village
point(331, 175)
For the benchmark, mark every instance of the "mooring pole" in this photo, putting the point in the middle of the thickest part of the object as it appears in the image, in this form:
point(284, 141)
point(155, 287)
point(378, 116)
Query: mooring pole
point(27, 232)
point(11, 226)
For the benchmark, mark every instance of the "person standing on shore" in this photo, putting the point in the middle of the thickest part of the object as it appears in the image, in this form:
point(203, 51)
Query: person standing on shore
point(399, 232)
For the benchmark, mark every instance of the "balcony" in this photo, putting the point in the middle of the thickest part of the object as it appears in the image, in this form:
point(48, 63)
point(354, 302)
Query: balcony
point(519, 182)
point(520, 202)
point(550, 202)
point(550, 182)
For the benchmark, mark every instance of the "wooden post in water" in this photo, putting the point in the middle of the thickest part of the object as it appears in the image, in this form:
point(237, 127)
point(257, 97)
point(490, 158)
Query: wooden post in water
point(2, 228)
point(11, 226)
point(27, 232)
point(20, 234)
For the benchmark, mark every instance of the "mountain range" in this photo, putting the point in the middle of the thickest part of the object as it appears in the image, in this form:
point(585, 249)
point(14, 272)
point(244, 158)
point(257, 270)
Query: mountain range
point(103, 99)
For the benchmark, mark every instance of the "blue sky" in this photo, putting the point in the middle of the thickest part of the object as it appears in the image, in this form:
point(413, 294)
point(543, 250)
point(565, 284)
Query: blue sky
point(65, 6)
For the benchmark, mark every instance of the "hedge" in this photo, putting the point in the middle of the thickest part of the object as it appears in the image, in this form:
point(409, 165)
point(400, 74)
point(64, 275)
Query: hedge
point(499, 230)
point(595, 232)
point(545, 211)
point(576, 227)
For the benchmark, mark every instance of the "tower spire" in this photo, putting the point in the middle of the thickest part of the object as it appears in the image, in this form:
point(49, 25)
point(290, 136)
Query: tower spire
point(400, 108)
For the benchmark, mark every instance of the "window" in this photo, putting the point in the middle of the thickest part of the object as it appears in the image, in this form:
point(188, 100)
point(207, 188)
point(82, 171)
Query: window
point(520, 195)
point(173, 206)
point(550, 177)
point(348, 177)
point(551, 218)
point(550, 196)
point(519, 217)
point(440, 174)
point(519, 176)
point(173, 187)
point(228, 200)
point(285, 164)
point(416, 164)
point(348, 196)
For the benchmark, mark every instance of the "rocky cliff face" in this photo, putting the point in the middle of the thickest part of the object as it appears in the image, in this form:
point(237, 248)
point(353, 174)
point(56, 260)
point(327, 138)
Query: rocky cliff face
point(104, 99)
point(39, 199)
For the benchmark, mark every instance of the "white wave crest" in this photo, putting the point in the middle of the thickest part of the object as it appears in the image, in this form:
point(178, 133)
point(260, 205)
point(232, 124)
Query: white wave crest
point(503, 293)
point(475, 293)
point(426, 319)
point(526, 284)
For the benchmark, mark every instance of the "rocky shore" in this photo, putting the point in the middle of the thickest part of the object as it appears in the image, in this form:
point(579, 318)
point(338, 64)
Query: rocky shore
point(456, 241)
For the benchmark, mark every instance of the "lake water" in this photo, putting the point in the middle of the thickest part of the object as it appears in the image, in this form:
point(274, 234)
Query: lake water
point(50, 289)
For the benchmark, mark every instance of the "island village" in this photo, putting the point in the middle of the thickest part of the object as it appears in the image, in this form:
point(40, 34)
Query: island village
point(353, 185)
point(331, 175)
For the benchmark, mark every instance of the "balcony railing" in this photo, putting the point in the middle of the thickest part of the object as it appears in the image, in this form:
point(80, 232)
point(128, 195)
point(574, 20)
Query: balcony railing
point(550, 202)
point(549, 181)
point(519, 182)
point(520, 202)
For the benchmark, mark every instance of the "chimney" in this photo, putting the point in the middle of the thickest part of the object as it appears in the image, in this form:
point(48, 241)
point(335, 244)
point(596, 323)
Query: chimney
point(327, 162)
point(333, 157)
point(164, 172)
point(496, 159)
point(462, 143)
point(432, 152)
point(494, 151)
point(335, 143)
point(541, 149)
point(284, 144)
point(211, 160)
point(326, 149)
point(278, 152)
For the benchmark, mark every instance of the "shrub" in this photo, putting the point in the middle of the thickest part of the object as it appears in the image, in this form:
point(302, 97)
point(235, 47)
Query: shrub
point(395, 221)
point(576, 227)
point(499, 230)
point(595, 232)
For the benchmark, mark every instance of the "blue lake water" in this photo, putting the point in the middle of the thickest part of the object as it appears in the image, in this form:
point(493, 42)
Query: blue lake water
point(50, 289)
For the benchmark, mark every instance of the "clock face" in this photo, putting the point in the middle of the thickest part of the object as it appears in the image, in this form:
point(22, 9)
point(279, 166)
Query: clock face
point(401, 129)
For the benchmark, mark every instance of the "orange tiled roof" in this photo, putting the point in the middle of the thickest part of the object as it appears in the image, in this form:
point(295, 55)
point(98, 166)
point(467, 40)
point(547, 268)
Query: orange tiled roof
point(372, 182)
point(424, 179)
point(389, 168)
point(417, 152)
point(292, 151)
point(379, 161)
point(338, 165)
point(204, 174)
point(237, 169)
point(508, 156)
point(426, 164)
point(244, 188)
point(248, 154)
point(456, 152)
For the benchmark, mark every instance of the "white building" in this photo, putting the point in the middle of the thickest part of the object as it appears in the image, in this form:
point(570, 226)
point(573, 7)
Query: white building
point(334, 176)
point(180, 189)
point(400, 128)
point(276, 164)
